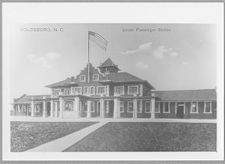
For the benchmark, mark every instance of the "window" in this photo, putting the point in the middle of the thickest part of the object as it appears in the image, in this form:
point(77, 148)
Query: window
point(121, 106)
point(85, 90)
point(140, 107)
point(82, 78)
point(147, 107)
point(207, 107)
point(194, 107)
point(101, 90)
point(118, 90)
point(56, 92)
point(161, 106)
point(77, 90)
point(67, 91)
point(95, 77)
point(92, 90)
point(107, 106)
point(166, 108)
point(92, 106)
point(130, 107)
point(68, 106)
point(132, 90)
point(157, 107)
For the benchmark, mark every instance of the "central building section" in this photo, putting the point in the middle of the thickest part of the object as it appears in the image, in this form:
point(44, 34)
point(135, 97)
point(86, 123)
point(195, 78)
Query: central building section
point(103, 92)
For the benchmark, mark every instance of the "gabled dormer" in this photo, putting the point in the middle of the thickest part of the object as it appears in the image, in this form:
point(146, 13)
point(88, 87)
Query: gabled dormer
point(93, 74)
point(108, 67)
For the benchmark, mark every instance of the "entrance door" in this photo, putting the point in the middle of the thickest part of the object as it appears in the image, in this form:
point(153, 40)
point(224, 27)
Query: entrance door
point(180, 110)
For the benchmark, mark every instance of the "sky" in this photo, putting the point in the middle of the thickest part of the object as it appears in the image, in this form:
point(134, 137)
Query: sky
point(169, 56)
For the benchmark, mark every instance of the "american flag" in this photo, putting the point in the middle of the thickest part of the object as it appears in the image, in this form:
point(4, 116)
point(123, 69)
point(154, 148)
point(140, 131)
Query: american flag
point(98, 39)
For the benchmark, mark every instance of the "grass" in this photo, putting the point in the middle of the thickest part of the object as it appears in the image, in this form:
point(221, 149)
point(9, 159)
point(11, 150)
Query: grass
point(150, 137)
point(27, 135)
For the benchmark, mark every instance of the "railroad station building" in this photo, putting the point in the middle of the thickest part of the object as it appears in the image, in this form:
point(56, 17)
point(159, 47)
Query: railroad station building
point(107, 92)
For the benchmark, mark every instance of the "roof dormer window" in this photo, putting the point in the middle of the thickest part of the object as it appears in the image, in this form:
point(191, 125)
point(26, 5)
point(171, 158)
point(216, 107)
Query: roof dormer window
point(82, 78)
point(95, 77)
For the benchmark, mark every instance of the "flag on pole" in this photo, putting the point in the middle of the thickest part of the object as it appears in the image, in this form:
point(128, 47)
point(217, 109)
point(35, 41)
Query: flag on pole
point(98, 39)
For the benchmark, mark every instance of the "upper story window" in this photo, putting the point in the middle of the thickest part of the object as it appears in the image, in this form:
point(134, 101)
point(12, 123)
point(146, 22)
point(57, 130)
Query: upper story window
point(101, 90)
point(77, 90)
point(132, 90)
point(194, 107)
point(67, 91)
point(92, 90)
point(207, 107)
point(95, 77)
point(85, 90)
point(56, 92)
point(119, 90)
point(82, 78)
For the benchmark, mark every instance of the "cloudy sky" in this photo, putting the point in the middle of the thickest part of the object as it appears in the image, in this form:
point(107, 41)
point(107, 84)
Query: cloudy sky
point(169, 56)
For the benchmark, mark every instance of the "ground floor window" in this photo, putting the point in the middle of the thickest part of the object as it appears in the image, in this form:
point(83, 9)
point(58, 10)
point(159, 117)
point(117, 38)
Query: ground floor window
point(207, 107)
point(161, 106)
point(68, 106)
point(166, 108)
point(107, 106)
point(92, 106)
point(121, 106)
point(130, 106)
point(194, 107)
point(147, 107)
point(157, 107)
point(140, 106)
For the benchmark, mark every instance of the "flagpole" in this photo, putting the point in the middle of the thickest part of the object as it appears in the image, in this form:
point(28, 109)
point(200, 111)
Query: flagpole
point(88, 60)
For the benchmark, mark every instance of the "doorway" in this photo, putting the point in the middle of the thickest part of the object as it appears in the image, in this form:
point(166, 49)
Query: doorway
point(180, 110)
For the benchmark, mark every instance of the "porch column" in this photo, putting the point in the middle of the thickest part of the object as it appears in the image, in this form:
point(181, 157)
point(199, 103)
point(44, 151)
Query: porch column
point(76, 106)
point(102, 104)
point(61, 106)
point(44, 112)
point(52, 108)
point(135, 108)
point(56, 109)
point(116, 108)
point(27, 109)
point(153, 106)
point(88, 109)
point(32, 107)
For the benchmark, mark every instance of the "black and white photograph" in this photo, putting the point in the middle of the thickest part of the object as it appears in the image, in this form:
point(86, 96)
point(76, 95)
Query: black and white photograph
point(113, 88)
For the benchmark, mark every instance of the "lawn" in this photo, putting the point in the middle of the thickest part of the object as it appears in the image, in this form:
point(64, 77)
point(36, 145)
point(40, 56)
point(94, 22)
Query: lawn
point(127, 136)
point(27, 135)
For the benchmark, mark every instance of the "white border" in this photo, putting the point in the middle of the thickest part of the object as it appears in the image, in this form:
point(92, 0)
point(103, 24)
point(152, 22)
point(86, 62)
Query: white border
point(105, 13)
